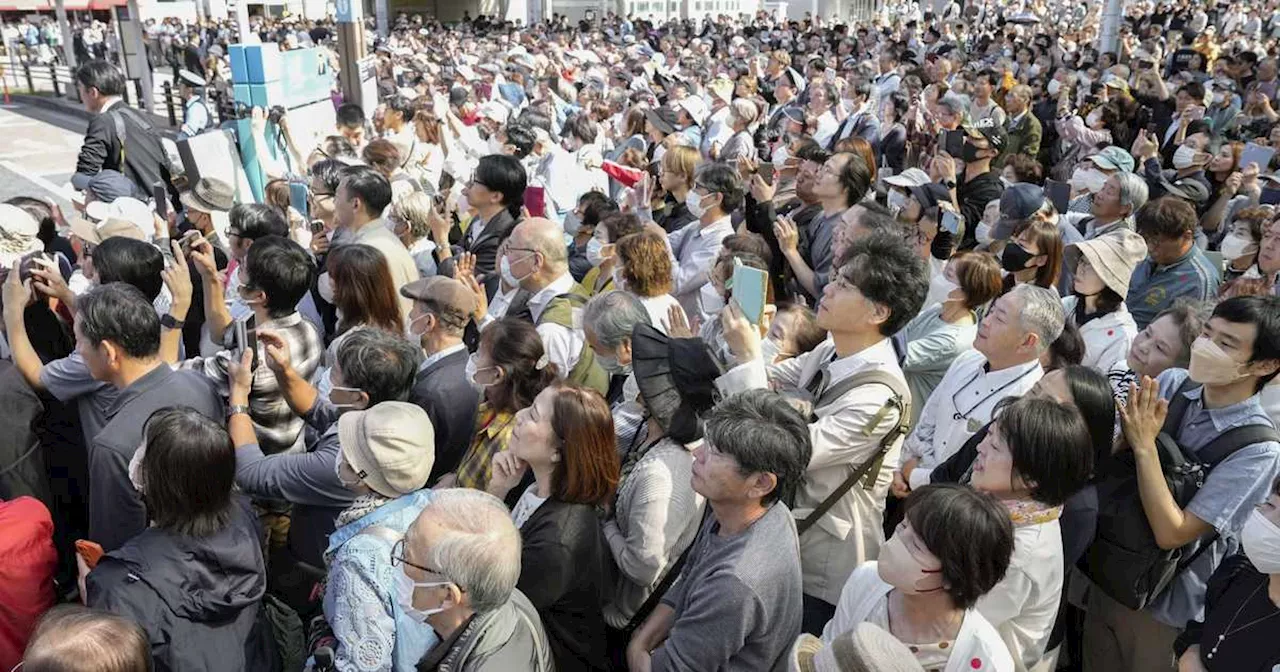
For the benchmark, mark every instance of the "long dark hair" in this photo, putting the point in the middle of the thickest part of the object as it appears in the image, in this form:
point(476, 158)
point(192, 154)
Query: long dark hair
point(363, 289)
point(514, 346)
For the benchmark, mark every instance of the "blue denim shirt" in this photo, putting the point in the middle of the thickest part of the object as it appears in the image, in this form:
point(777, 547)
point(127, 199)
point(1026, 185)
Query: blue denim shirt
point(1234, 487)
point(373, 634)
point(1154, 288)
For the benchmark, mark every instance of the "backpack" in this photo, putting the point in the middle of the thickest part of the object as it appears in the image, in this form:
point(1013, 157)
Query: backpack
point(1124, 559)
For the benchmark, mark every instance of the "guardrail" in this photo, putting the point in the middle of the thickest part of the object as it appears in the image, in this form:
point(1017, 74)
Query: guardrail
point(37, 79)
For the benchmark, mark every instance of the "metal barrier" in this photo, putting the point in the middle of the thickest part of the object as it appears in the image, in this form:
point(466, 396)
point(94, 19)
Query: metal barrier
point(60, 81)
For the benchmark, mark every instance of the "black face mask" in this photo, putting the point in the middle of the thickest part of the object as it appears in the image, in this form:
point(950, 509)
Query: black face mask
point(1015, 257)
point(969, 153)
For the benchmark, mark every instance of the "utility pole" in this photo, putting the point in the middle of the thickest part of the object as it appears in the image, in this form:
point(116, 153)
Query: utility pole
point(64, 27)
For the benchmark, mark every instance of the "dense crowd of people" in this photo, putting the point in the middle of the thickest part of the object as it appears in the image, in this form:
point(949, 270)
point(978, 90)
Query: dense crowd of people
point(946, 341)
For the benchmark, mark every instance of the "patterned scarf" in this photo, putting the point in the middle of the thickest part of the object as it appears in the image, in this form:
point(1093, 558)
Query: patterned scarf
point(1025, 512)
point(362, 506)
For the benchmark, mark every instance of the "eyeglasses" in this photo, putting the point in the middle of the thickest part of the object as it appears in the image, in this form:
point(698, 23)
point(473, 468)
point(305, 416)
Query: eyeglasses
point(397, 558)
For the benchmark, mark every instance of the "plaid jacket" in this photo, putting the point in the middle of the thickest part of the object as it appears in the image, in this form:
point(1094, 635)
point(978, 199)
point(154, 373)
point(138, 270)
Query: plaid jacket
point(277, 426)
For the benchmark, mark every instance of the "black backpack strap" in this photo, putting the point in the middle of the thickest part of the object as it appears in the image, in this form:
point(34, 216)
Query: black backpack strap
point(121, 134)
point(1233, 440)
point(1178, 404)
point(900, 399)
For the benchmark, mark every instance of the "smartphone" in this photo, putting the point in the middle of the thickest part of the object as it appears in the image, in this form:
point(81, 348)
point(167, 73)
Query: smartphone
point(749, 290)
point(246, 339)
point(1255, 153)
point(188, 241)
point(161, 197)
point(317, 226)
point(535, 201)
point(90, 551)
point(1059, 194)
point(950, 222)
point(953, 143)
point(767, 172)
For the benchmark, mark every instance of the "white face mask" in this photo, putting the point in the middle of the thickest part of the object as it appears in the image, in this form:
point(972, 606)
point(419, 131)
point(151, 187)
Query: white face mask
point(771, 350)
point(983, 233)
point(404, 596)
point(1053, 87)
point(1261, 539)
point(325, 286)
point(509, 276)
point(939, 289)
point(897, 201)
point(1184, 158)
point(594, 247)
point(1235, 246)
point(780, 154)
point(1093, 118)
point(693, 201)
point(340, 473)
point(470, 371)
point(1088, 178)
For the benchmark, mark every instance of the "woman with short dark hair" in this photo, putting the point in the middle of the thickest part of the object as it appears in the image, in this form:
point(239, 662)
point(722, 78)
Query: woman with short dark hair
point(195, 579)
point(1037, 453)
point(952, 548)
point(566, 439)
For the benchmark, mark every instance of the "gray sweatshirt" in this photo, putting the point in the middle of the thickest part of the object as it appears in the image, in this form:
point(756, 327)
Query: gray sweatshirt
point(738, 601)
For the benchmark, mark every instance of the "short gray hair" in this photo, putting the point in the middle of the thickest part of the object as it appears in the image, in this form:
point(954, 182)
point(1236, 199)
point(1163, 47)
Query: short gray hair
point(1133, 190)
point(379, 363)
point(612, 317)
point(1040, 312)
point(479, 547)
point(955, 102)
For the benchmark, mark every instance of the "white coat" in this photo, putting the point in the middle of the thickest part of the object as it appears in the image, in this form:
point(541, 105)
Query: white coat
point(976, 641)
point(1106, 338)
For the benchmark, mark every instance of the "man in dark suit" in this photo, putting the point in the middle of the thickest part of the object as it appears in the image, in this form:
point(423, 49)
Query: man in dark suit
point(496, 191)
point(118, 138)
point(441, 309)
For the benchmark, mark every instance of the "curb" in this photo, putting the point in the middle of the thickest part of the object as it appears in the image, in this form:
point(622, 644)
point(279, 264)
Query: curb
point(74, 109)
point(51, 103)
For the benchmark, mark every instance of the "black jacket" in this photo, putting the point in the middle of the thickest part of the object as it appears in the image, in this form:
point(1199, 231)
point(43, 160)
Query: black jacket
point(144, 160)
point(485, 247)
point(563, 573)
point(442, 390)
point(198, 599)
point(673, 216)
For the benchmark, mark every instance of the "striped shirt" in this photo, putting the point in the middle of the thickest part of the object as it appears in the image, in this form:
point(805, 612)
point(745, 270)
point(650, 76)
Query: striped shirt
point(277, 426)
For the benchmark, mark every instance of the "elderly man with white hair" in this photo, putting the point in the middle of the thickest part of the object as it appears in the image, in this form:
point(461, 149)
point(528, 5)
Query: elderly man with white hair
point(537, 262)
point(608, 322)
point(456, 571)
point(1112, 208)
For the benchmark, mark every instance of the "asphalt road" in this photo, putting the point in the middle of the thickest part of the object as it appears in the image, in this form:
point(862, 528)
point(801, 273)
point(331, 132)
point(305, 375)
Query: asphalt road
point(38, 149)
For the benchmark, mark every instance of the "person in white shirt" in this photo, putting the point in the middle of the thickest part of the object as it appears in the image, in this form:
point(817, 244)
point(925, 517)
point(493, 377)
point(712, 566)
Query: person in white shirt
point(536, 261)
point(717, 124)
point(868, 299)
point(1103, 267)
point(888, 80)
point(822, 120)
point(717, 192)
point(1004, 362)
point(951, 549)
point(1037, 453)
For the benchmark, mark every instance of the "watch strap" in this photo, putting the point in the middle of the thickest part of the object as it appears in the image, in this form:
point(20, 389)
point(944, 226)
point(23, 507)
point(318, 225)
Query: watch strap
point(235, 409)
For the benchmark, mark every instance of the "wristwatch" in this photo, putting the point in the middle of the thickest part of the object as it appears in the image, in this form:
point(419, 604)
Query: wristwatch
point(236, 409)
point(950, 184)
point(170, 322)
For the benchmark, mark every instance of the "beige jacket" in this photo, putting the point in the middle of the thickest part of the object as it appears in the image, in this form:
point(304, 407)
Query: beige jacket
point(850, 533)
point(375, 234)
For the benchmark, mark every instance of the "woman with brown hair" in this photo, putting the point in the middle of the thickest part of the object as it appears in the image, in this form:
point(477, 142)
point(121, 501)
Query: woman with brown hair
point(509, 368)
point(358, 283)
point(1033, 254)
point(383, 156)
point(431, 151)
point(566, 439)
point(643, 267)
point(855, 145)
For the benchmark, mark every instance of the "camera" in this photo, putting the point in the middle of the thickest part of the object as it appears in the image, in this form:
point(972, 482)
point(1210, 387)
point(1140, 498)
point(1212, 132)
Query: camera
point(276, 114)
